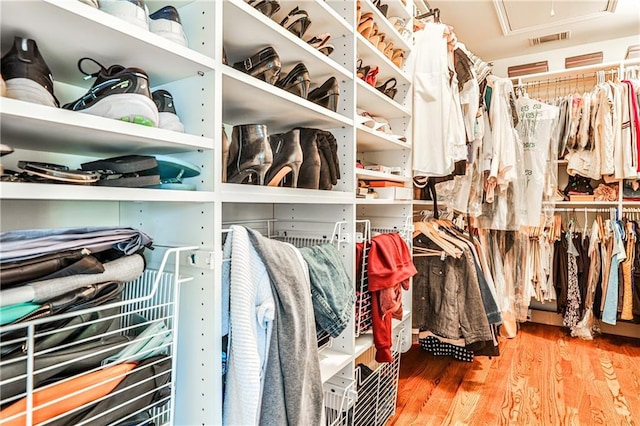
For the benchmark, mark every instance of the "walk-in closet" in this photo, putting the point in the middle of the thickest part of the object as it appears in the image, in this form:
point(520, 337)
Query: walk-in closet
point(319, 212)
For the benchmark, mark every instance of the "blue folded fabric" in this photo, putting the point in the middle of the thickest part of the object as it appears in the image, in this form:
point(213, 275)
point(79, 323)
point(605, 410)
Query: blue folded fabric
point(9, 314)
point(332, 292)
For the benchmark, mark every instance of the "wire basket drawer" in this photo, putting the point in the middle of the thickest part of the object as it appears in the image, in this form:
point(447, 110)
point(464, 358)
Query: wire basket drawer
point(111, 363)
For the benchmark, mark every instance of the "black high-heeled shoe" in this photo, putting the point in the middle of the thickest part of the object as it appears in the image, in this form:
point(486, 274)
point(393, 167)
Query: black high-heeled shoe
point(383, 8)
point(297, 81)
point(300, 21)
point(362, 71)
point(254, 155)
point(264, 65)
point(326, 95)
point(287, 158)
point(267, 7)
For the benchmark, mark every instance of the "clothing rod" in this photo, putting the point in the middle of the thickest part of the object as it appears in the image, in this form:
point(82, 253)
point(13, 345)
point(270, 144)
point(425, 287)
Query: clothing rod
point(586, 209)
point(578, 70)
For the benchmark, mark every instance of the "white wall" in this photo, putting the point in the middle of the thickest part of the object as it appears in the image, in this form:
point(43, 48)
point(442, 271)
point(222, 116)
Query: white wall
point(613, 50)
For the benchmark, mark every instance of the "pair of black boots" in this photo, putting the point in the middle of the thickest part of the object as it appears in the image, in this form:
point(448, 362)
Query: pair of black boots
point(308, 156)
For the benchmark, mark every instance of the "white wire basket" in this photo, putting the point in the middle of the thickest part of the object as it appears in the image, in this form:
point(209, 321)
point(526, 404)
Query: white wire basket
point(377, 390)
point(48, 384)
point(363, 320)
point(339, 398)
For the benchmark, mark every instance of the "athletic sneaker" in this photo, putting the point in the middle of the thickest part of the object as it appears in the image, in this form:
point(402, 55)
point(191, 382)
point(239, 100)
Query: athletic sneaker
point(26, 74)
point(166, 23)
point(132, 11)
point(120, 93)
point(92, 3)
point(169, 119)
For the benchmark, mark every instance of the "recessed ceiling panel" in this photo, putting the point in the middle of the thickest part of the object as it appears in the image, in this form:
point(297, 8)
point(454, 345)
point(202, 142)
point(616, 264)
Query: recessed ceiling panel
point(525, 15)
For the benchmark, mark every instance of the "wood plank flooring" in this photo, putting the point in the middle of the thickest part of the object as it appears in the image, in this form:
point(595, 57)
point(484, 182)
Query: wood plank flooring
point(542, 377)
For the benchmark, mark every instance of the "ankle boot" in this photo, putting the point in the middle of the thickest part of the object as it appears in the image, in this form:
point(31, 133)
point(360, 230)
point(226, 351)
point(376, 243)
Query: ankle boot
point(254, 156)
point(309, 175)
point(287, 157)
point(225, 154)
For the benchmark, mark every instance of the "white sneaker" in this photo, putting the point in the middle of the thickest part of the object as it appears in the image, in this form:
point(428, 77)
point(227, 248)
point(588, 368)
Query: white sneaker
point(166, 23)
point(132, 11)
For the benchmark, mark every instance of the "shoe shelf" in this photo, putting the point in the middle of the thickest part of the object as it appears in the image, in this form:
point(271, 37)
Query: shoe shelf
point(96, 34)
point(42, 128)
point(377, 103)
point(384, 26)
point(246, 99)
point(374, 140)
point(59, 192)
point(247, 31)
point(242, 193)
point(370, 55)
point(373, 175)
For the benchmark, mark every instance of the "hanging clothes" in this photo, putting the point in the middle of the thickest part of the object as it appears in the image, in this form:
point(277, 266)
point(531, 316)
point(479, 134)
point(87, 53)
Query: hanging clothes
point(438, 130)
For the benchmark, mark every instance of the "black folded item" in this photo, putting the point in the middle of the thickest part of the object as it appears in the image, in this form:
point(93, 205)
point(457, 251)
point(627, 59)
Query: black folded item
point(85, 356)
point(133, 180)
point(147, 384)
point(13, 273)
point(124, 165)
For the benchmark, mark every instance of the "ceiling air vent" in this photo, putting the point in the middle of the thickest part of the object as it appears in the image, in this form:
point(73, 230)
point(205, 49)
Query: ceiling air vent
point(535, 41)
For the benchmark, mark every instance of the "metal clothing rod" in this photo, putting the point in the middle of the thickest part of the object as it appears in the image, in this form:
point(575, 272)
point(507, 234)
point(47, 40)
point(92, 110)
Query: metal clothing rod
point(435, 13)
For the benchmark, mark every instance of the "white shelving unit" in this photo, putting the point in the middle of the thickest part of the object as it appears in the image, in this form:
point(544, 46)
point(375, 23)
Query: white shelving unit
point(208, 95)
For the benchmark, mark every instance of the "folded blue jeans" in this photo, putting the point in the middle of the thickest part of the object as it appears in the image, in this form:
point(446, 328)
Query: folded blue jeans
point(332, 292)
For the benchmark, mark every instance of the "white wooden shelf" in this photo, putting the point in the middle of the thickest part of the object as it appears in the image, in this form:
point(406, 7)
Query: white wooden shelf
point(384, 201)
point(244, 193)
point(240, 43)
point(363, 343)
point(43, 191)
point(373, 175)
point(384, 26)
point(370, 55)
point(42, 128)
point(331, 362)
point(377, 103)
point(247, 99)
point(374, 140)
point(91, 32)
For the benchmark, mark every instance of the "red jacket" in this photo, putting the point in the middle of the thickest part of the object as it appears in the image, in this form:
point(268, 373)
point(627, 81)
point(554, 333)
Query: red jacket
point(390, 267)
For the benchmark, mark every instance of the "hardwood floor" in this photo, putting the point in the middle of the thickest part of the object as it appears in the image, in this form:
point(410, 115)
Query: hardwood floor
point(542, 377)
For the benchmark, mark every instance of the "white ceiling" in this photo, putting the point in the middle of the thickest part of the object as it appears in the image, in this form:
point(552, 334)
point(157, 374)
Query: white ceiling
point(497, 29)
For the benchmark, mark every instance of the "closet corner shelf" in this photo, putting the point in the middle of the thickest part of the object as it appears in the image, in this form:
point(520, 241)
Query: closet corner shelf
point(331, 362)
point(43, 191)
point(363, 343)
point(244, 193)
point(249, 100)
point(373, 175)
point(374, 140)
point(42, 128)
point(163, 60)
point(240, 43)
point(384, 26)
point(372, 56)
point(377, 103)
